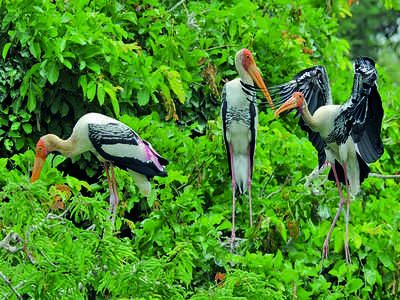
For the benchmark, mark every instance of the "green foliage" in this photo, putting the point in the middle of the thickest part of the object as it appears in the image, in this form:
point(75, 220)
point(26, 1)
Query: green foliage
point(156, 61)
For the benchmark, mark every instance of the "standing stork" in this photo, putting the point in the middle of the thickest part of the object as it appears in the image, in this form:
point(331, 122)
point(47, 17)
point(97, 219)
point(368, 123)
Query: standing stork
point(239, 125)
point(347, 135)
point(112, 142)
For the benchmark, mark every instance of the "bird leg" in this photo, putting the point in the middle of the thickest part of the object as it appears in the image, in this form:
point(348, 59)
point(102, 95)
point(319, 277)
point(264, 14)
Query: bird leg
point(116, 202)
point(249, 188)
point(346, 242)
point(325, 248)
point(112, 197)
point(232, 239)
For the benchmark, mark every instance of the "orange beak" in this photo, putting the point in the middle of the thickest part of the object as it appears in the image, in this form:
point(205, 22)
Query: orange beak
point(37, 168)
point(40, 157)
point(289, 104)
point(255, 74)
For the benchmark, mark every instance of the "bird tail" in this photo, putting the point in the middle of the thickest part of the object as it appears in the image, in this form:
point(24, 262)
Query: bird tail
point(241, 167)
point(142, 182)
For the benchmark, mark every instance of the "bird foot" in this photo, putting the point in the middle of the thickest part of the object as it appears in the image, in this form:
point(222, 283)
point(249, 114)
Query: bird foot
point(233, 242)
point(325, 251)
point(348, 257)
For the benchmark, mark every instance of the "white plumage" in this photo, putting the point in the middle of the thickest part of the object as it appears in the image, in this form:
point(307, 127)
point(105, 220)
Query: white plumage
point(239, 125)
point(113, 143)
point(348, 135)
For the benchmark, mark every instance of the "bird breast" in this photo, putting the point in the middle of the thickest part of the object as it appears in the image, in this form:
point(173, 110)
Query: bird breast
point(324, 118)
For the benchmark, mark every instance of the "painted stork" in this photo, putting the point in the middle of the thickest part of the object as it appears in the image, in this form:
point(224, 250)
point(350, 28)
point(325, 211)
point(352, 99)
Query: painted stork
point(239, 124)
point(112, 142)
point(347, 136)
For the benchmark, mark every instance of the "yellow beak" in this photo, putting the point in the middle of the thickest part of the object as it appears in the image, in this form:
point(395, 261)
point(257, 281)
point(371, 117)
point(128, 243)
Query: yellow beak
point(255, 74)
point(289, 104)
point(37, 168)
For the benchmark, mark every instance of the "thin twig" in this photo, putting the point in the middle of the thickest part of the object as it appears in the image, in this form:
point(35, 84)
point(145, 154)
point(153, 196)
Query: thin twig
point(48, 259)
point(219, 47)
point(266, 183)
point(175, 6)
point(19, 285)
point(8, 282)
point(280, 189)
point(294, 290)
point(383, 176)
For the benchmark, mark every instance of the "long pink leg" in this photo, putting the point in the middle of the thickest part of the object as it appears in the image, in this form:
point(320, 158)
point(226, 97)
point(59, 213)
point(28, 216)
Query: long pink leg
point(346, 242)
point(326, 243)
point(116, 202)
point(112, 197)
point(249, 187)
point(233, 195)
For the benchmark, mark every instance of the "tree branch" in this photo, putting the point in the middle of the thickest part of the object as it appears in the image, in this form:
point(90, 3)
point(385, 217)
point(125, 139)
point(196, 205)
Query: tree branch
point(14, 237)
point(383, 176)
point(219, 47)
point(175, 6)
point(266, 183)
point(8, 282)
point(280, 189)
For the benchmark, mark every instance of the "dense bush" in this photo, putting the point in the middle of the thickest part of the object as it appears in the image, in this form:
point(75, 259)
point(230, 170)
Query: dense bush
point(159, 66)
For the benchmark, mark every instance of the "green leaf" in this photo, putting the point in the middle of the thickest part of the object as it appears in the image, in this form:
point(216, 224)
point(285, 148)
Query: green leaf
point(67, 63)
point(176, 85)
point(26, 83)
point(5, 50)
point(64, 109)
point(91, 90)
point(354, 285)
point(15, 126)
point(111, 92)
point(31, 100)
point(370, 276)
point(83, 83)
point(34, 48)
point(27, 128)
point(52, 71)
point(100, 93)
point(143, 96)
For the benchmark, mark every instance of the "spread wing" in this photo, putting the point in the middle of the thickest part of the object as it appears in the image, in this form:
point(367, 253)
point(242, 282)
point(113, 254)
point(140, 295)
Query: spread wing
point(361, 116)
point(314, 84)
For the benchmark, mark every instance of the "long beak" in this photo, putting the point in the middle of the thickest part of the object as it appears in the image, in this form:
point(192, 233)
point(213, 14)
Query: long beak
point(289, 104)
point(255, 74)
point(37, 168)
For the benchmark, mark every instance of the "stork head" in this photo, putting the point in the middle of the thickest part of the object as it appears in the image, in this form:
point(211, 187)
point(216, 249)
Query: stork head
point(296, 101)
point(246, 66)
point(42, 150)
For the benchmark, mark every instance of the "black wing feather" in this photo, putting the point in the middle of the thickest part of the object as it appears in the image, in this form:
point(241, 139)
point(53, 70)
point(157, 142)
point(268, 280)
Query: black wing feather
point(253, 113)
point(314, 84)
point(224, 107)
point(361, 116)
point(363, 166)
point(370, 145)
point(115, 133)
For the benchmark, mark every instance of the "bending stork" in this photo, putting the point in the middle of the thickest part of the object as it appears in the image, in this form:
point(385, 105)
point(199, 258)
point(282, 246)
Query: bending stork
point(347, 135)
point(239, 125)
point(112, 142)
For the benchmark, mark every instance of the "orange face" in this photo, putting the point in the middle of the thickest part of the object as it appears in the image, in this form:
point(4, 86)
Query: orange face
point(250, 66)
point(40, 157)
point(247, 59)
point(296, 101)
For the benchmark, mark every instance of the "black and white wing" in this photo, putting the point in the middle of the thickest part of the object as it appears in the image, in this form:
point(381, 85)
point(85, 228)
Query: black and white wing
point(224, 111)
point(121, 145)
point(314, 84)
point(361, 116)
